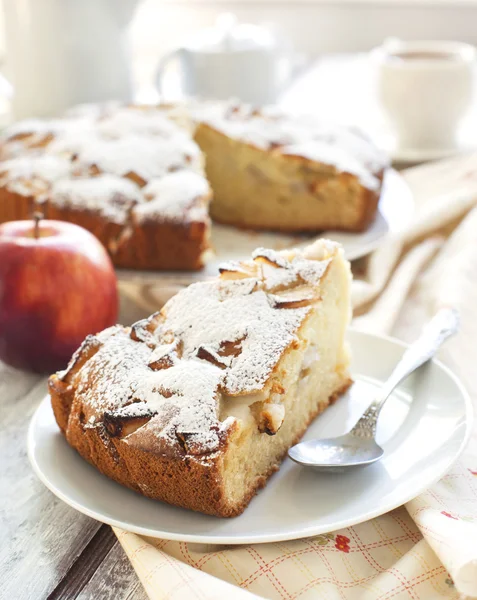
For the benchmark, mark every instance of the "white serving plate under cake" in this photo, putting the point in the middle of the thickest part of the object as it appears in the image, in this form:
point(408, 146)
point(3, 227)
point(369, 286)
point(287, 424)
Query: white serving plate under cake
point(423, 428)
point(395, 211)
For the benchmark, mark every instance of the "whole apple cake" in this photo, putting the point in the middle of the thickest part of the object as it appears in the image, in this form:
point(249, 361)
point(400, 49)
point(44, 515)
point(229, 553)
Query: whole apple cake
point(198, 404)
point(135, 178)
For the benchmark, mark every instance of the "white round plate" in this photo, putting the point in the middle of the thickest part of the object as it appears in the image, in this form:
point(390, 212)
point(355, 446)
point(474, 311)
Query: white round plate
point(395, 211)
point(423, 428)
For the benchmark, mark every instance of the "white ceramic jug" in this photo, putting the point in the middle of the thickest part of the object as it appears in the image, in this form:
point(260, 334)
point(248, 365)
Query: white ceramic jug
point(243, 61)
point(65, 52)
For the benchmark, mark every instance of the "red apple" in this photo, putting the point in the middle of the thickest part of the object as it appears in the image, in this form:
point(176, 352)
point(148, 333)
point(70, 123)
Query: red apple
point(57, 285)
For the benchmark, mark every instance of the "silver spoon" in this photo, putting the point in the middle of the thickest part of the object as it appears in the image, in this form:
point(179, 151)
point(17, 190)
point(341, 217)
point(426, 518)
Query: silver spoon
point(358, 447)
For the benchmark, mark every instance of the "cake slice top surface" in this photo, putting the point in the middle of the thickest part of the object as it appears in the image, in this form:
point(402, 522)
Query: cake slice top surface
point(212, 340)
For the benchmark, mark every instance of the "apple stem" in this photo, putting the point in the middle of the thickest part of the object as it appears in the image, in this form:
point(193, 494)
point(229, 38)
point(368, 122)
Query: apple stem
point(37, 217)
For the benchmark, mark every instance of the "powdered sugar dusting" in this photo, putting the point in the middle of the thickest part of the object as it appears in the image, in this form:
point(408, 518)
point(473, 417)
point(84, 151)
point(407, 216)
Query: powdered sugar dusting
point(147, 157)
point(194, 388)
point(210, 314)
point(110, 378)
point(70, 142)
point(24, 173)
point(40, 128)
point(271, 256)
point(109, 195)
point(139, 121)
point(182, 399)
point(178, 196)
point(47, 167)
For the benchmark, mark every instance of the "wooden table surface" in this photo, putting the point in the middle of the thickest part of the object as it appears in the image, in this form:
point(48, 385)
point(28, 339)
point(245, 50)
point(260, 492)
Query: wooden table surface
point(47, 549)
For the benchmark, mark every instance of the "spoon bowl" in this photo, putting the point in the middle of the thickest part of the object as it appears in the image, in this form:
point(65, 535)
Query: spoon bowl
point(336, 453)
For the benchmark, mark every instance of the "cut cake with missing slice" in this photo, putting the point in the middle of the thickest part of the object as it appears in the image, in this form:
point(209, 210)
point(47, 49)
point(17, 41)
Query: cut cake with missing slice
point(198, 404)
point(271, 170)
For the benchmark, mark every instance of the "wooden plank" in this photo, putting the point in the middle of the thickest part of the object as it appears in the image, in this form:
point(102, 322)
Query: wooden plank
point(115, 579)
point(40, 536)
point(85, 565)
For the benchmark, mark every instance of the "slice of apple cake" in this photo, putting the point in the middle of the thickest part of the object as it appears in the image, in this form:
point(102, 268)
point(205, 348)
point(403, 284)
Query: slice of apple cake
point(198, 404)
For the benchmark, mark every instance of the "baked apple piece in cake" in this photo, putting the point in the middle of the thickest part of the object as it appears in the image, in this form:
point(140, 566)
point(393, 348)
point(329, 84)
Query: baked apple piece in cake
point(198, 404)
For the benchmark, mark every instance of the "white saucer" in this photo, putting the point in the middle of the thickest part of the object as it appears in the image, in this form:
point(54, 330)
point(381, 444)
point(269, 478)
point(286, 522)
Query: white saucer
point(420, 155)
point(395, 211)
point(423, 429)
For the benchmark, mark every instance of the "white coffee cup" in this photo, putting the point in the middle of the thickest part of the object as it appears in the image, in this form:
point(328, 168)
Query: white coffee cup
point(425, 88)
point(243, 61)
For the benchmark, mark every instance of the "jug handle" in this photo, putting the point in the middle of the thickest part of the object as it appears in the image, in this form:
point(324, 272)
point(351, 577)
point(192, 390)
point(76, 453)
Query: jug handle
point(162, 68)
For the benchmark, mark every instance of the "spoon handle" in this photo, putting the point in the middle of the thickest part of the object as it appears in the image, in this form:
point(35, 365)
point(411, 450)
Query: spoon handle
point(444, 324)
